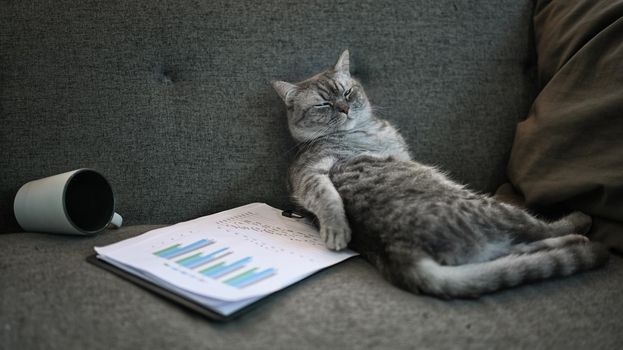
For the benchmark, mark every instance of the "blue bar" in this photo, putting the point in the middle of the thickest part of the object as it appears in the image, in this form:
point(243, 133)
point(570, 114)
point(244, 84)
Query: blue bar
point(228, 268)
point(189, 248)
point(189, 260)
point(254, 278)
point(166, 250)
point(205, 259)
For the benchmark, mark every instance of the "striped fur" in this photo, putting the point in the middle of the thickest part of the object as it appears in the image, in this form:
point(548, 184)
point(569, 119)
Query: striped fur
point(424, 232)
point(472, 280)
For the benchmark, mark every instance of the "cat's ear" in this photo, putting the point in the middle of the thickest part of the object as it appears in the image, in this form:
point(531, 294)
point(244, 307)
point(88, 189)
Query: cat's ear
point(284, 89)
point(343, 63)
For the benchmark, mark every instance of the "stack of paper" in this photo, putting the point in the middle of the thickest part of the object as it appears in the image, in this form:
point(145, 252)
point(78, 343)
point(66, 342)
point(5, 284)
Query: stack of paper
point(228, 260)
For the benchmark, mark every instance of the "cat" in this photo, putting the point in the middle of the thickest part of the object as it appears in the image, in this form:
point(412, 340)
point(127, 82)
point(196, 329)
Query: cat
point(425, 233)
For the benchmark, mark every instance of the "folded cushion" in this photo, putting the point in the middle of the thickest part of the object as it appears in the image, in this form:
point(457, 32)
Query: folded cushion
point(568, 153)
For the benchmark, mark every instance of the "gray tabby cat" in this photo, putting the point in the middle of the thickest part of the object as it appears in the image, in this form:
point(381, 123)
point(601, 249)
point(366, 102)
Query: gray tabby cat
point(424, 232)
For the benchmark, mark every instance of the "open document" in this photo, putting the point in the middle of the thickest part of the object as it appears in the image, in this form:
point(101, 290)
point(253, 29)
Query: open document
point(227, 260)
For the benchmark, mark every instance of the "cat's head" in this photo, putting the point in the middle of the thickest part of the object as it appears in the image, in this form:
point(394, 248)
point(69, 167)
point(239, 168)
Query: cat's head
point(325, 103)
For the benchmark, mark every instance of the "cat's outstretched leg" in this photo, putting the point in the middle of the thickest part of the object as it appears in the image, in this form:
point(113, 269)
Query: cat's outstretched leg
point(576, 222)
point(528, 228)
point(548, 243)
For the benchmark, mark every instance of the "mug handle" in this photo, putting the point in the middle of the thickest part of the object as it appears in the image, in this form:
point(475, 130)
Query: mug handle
point(116, 221)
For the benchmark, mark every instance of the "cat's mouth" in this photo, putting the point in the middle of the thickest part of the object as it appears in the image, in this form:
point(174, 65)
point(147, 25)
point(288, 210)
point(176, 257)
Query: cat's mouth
point(346, 121)
point(343, 118)
point(345, 115)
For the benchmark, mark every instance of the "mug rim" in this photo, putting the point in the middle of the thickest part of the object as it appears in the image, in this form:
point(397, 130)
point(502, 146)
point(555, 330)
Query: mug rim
point(69, 219)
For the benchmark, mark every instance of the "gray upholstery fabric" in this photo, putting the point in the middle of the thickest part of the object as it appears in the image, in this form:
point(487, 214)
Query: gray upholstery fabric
point(171, 99)
point(50, 298)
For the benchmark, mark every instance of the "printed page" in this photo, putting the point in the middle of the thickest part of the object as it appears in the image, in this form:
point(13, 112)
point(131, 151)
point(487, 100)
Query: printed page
point(239, 254)
point(223, 307)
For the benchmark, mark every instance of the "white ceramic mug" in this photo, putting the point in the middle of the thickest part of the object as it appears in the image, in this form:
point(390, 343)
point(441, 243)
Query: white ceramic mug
point(77, 202)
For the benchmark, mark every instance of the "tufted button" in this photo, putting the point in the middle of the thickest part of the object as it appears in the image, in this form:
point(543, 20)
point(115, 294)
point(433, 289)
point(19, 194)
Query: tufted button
point(165, 74)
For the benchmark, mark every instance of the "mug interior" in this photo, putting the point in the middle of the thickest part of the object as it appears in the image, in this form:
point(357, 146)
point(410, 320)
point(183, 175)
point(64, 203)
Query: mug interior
point(89, 201)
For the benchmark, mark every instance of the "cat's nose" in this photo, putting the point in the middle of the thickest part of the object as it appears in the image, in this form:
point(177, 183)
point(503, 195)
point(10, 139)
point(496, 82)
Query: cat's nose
point(342, 107)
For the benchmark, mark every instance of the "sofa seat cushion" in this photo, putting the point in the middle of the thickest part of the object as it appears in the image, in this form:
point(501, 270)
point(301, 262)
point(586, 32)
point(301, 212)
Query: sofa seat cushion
point(50, 297)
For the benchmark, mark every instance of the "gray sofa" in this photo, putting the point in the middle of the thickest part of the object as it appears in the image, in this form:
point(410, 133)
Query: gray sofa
point(171, 101)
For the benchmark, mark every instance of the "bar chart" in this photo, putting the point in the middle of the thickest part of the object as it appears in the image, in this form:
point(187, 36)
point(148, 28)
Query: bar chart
point(218, 263)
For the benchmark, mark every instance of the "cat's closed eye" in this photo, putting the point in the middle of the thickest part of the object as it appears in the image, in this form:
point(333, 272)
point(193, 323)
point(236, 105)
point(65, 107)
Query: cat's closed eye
point(348, 93)
point(322, 105)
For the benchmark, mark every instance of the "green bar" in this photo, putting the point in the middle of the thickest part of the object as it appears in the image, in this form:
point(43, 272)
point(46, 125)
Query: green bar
point(241, 276)
point(213, 267)
point(166, 250)
point(188, 258)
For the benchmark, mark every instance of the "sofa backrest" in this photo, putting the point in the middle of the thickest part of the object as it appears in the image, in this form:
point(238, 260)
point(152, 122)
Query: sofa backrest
point(171, 100)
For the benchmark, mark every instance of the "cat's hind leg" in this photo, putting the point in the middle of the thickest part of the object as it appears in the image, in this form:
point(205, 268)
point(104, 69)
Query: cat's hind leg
point(576, 222)
point(526, 227)
point(548, 243)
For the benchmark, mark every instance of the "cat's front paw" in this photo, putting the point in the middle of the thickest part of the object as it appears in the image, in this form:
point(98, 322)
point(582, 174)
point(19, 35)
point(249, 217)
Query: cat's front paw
point(335, 235)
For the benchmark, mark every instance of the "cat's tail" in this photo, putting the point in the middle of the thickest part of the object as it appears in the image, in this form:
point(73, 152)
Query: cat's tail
point(472, 280)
